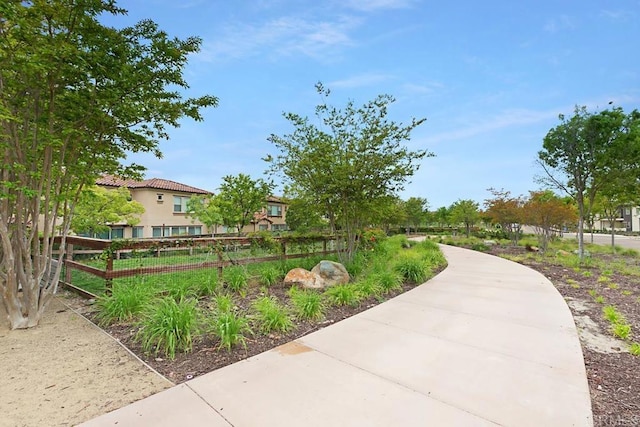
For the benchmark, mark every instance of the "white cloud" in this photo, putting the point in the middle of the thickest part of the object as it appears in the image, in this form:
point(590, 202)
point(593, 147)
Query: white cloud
point(360, 80)
point(509, 118)
point(281, 37)
point(617, 15)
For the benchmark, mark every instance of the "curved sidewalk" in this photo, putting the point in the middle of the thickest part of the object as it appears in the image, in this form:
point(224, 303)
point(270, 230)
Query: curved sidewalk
point(486, 342)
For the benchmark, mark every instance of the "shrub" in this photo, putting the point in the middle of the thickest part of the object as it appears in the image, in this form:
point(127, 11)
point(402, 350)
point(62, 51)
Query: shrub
point(169, 326)
point(180, 290)
point(368, 288)
point(307, 304)
point(271, 316)
point(209, 284)
point(125, 303)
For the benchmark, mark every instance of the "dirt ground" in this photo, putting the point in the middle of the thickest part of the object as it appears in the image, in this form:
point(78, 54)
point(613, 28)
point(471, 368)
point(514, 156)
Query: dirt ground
point(66, 371)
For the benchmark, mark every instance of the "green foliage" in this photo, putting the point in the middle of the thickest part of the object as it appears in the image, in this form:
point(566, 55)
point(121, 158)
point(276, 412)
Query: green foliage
point(209, 284)
point(236, 278)
point(345, 294)
point(412, 269)
point(269, 275)
point(109, 92)
point(368, 288)
point(204, 209)
point(480, 247)
point(612, 315)
point(388, 280)
point(271, 316)
point(599, 299)
point(350, 192)
point(125, 303)
point(98, 207)
point(465, 212)
point(621, 330)
point(169, 326)
point(230, 328)
point(307, 304)
point(180, 290)
point(634, 349)
point(240, 197)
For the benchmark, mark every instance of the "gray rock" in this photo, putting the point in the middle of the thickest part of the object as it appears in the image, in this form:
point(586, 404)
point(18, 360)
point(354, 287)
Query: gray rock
point(332, 273)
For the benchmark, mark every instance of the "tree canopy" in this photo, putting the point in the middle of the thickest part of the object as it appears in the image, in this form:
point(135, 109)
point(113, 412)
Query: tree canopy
point(98, 207)
point(465, 212)
point(240, 197)
point(75, 97)
point(582, 154)
point(350, 164)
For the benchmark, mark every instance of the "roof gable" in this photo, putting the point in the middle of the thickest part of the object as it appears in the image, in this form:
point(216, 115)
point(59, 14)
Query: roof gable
point(153, 183)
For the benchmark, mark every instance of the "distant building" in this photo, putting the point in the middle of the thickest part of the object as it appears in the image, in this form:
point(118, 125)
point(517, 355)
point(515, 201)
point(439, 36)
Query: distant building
point(165, 204)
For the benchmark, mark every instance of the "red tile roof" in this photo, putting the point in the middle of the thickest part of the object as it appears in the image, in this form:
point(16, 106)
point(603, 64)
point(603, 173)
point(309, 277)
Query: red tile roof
point(155, 183)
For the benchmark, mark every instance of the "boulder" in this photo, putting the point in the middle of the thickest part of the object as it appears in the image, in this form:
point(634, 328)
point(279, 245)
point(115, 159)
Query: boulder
point(332, 273)
point(304, 278)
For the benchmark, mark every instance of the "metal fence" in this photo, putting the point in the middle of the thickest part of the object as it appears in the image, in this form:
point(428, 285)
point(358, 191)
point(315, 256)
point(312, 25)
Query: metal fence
point(92, 266)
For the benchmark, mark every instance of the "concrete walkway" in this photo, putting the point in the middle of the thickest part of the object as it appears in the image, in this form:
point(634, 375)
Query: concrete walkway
point(486, 342)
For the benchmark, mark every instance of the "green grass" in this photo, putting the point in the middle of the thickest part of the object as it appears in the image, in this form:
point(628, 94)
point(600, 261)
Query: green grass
point(230, 328)
point(412, 269)
point(236, 278)
point(269, 275)
point(621, 330)
point(387, 280)
point(612, 315)
point(634, 349)
point(126, 302)
point(169, 326)
point(342, 295)
point(271, 316)
point(307, 304)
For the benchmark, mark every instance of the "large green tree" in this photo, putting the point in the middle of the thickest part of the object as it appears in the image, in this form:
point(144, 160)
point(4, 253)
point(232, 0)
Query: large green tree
point(416, 212)
point(97, 208)
point(75, 97)
point(240, 197)
point(465, 212)
point(348, 161)
point(580, 155)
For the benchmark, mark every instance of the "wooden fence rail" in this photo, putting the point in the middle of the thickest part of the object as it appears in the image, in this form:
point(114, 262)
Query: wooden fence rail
point(113, 250)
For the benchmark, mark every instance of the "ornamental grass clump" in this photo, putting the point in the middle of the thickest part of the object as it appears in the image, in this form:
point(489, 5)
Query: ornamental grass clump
point(388, 280)
point(269, 275)
point(343, 295)
point(412, 269)
point(307, 304)
point(169, 326)
point(272, 316)
point(236, 278)
point(231, 328)
point(126, 302)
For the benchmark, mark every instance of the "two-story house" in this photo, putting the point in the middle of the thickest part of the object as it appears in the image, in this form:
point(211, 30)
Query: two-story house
point(165, 204)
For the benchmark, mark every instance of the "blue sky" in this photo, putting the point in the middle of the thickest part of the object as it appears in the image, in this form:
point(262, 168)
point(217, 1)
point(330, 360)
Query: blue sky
point(491, 78)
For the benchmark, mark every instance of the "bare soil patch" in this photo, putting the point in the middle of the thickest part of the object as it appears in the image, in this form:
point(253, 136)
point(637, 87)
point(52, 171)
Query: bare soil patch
point(612, 372)
point(66, 371)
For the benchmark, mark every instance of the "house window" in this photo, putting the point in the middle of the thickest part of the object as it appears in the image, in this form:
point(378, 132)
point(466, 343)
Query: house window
point(278, 227)
point(274, 210)
point(178, 230)
point(263, 227)
point(180, 204)
point(137, 232)
point(117, 233)
point(159, 197)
